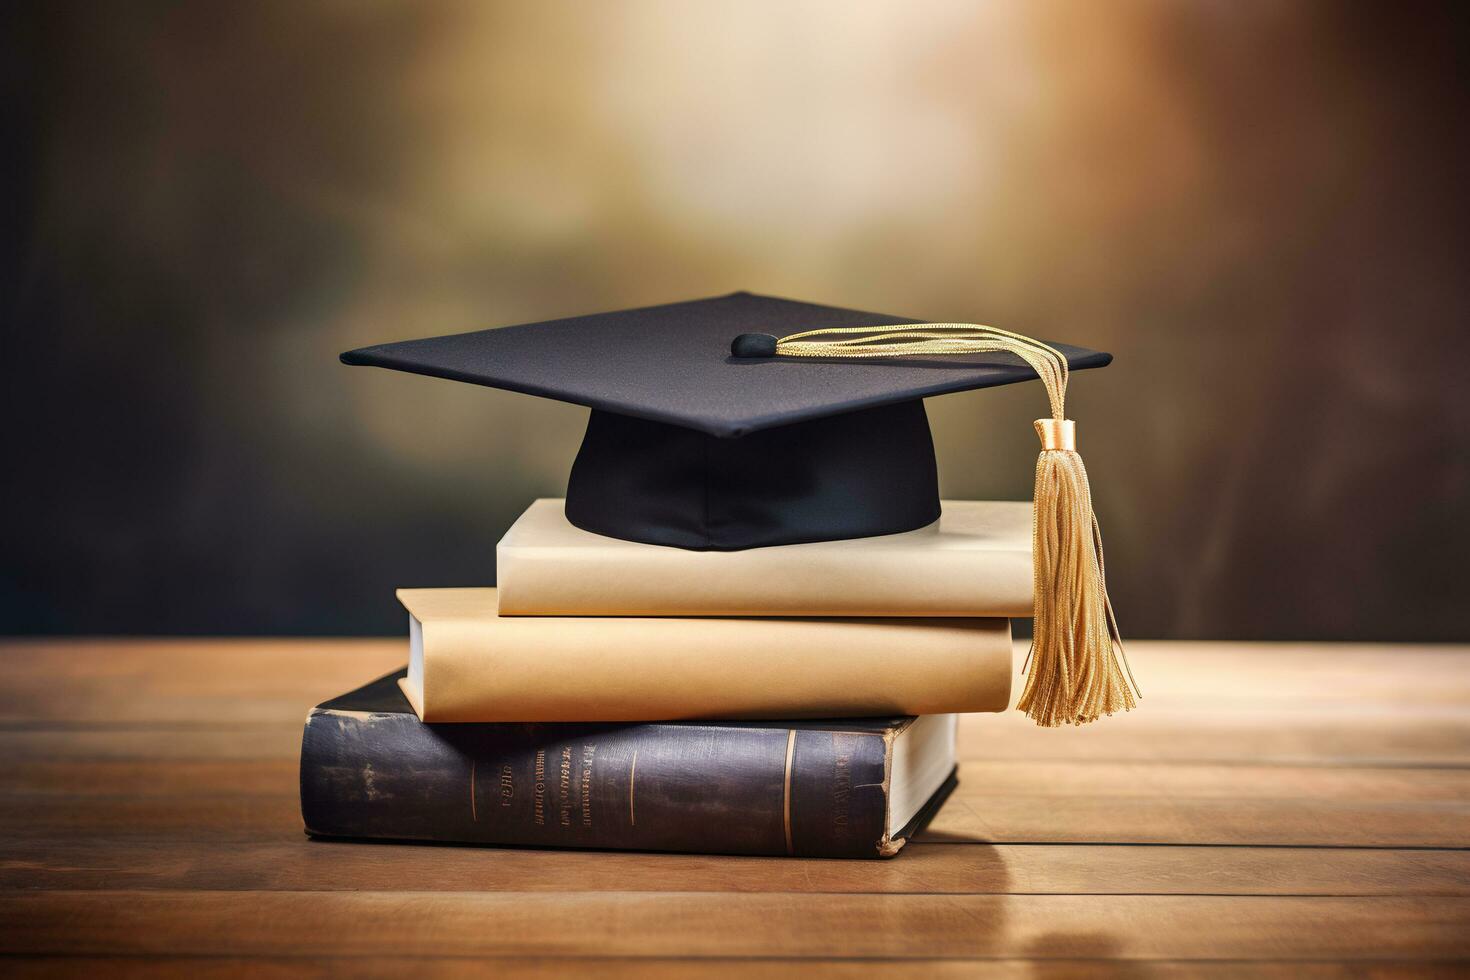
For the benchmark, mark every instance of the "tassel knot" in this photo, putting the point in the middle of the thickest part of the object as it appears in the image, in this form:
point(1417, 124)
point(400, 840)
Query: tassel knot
point(1060, 434)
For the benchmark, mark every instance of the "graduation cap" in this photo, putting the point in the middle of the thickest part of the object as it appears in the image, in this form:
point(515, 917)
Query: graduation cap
point(745, 421)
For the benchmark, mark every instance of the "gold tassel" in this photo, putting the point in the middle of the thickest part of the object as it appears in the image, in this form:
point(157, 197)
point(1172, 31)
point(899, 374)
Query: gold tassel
point(1076, 671)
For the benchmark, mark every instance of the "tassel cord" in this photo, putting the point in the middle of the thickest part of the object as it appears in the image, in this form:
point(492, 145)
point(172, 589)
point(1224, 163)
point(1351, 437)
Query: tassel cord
point(909, 340)
point(1076, 669)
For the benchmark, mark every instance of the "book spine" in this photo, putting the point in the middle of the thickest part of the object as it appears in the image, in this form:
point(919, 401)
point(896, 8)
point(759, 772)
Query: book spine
point(481, 668)
point(556, 582)
point(702, 789)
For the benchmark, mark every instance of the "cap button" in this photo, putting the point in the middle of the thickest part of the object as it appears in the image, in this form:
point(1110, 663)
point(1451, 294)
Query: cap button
point(753, 345)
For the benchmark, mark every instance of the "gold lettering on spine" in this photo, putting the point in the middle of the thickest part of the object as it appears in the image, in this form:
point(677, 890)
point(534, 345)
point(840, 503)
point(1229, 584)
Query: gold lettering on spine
point(786, 793)
point(539, 793)
point(632, 773)
point(564, 784)
point(842, 748)
point(588, 751)
point(474, 817)
point(507, 785)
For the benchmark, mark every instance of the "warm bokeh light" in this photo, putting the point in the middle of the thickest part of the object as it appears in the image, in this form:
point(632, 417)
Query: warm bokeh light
point(1250, 205)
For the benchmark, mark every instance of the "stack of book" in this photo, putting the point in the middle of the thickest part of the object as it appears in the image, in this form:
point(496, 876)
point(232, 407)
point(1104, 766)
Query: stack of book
point(794, 699)
point(749, 626)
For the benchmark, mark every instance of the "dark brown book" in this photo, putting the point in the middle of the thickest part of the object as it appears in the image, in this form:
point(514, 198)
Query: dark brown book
point(844, 788)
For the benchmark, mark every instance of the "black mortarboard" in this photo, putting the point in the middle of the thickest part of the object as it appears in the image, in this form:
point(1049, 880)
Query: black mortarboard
point(710, 430)
point(691, 446)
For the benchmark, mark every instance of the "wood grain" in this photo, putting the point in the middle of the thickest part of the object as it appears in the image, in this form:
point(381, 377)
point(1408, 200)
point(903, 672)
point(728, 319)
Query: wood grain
point(926, 868)
point(732, 924)
point(970, 816)
point(1273, 739)
point(981, 780)
point(655, 968)
point(1276, 810)
point(1283, 704)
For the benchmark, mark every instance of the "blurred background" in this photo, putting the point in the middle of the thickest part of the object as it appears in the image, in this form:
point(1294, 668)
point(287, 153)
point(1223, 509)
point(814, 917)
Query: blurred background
point(1258, 208)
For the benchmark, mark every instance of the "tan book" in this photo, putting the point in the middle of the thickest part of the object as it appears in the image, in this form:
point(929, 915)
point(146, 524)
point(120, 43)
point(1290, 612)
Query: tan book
point(974, 561)
point(467, 663)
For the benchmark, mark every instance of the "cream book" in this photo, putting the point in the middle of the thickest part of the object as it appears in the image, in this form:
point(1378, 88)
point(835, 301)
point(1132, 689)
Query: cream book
point(468, 663)
point(975, 561)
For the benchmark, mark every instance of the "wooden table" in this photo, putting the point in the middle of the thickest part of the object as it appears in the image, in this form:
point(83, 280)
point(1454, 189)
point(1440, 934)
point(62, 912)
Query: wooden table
point(1280, 810)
